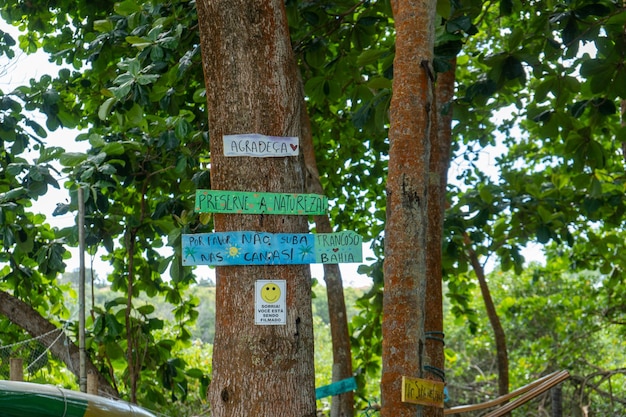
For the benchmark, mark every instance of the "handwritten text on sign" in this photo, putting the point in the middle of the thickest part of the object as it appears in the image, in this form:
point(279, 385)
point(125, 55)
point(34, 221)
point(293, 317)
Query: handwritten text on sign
point(258, 248)
point(215, 201)
point(253, 144)
point(422, 391)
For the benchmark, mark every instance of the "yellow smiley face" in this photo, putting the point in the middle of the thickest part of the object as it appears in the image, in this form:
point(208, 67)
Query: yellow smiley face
point(270, 292)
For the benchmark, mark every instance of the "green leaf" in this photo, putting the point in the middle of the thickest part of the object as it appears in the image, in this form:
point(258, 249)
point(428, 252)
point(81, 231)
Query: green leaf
point(377, 83)
point(315, 55)
point(135, 116)
point(543, 233)
point(593, 9)
point(182, 129)
point(369, 56)
point(444, 8)
point(72, 159)
point(68, 120)
point(605, 106)
point(195, 373)
point(114, 148)
point(486, 195)
point(461, 23)
point(177, 271)
point(118, 301)
point(37, 128)
point(315, 88)
point(619, 82)
point(127, 7)
point(105, 108)
point(138, 42)
point(146, 309)
point(570, 31)
point(103, 26)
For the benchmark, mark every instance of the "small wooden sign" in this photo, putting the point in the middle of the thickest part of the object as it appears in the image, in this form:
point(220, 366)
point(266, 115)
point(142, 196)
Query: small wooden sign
point(260, 248)
point(260, 146)
point(244, 202)
point(422, 391)
point(336, 388)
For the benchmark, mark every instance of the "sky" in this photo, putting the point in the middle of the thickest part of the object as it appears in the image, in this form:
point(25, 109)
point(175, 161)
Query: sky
point(19, 71)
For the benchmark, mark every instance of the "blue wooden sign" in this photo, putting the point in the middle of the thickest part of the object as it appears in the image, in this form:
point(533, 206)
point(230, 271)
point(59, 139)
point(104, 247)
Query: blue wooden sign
point(260, 248)
point(336, 388)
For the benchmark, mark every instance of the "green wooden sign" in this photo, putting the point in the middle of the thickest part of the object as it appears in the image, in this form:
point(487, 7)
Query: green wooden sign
point(244, 202)
point(336, 388)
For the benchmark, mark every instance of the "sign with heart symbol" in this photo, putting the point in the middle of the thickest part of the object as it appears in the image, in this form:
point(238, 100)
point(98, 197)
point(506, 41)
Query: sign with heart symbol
point(260, 248)
point(260, 146)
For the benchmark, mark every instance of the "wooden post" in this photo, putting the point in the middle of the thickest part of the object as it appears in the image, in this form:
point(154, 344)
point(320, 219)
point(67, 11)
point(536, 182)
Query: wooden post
point(17, 369)
point(92, 384)
point(82, 373)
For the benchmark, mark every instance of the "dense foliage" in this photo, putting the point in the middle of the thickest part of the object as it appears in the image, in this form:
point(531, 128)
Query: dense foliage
point(540, 86)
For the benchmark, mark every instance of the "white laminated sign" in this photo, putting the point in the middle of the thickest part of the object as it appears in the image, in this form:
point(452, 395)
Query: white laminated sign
point(270, 307)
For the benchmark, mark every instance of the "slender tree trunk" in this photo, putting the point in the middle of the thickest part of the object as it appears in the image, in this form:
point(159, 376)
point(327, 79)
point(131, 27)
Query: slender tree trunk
point(131, 337)
point(23, 315)
point(252, 87)
point(342, 405)
point(439, 163)
point(496, 325)
point(407, 192)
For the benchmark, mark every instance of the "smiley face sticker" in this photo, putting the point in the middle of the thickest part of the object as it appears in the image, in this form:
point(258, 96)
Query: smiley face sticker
point(269, 305)
point(270, 292)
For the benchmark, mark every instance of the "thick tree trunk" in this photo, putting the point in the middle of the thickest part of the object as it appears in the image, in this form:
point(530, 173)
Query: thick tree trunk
point(23, 315)
point(439, 163)
point(252, 87)
point(342, 405)
point(407, 191)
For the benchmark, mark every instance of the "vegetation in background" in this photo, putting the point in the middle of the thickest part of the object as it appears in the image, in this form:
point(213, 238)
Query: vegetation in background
point(540, 86)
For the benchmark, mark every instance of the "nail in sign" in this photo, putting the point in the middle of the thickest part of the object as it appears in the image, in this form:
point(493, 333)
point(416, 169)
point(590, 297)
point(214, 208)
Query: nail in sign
point(259, 248)
point(256, 145)
point(244, 202)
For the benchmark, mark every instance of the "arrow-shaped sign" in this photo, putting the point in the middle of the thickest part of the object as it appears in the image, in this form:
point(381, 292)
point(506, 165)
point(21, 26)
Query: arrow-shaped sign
point(245, 202)
point(260, 248)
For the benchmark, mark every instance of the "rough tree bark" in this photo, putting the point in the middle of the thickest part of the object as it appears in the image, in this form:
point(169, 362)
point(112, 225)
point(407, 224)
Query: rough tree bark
point(64, 348)
point(439, 162)
point(407, 191)
point(252, 87)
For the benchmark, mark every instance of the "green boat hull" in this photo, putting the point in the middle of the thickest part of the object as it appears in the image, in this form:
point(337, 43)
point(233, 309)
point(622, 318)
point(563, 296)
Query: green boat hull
point(24, 399)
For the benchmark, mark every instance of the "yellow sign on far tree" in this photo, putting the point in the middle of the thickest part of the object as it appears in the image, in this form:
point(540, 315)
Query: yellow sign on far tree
point(422, 391)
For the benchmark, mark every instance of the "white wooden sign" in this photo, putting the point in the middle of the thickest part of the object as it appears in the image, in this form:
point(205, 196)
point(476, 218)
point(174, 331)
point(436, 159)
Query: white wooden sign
point(261, 146)
point(270, 307)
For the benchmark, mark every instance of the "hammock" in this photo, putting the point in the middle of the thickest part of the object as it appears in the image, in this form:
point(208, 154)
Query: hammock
point(525, 393)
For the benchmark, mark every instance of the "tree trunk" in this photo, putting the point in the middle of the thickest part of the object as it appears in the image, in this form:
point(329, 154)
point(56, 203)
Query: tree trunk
point(407, 191)
point(252, 87)
point(342, 405)
point(439, 163)
point(23, 315)
point(496, 325)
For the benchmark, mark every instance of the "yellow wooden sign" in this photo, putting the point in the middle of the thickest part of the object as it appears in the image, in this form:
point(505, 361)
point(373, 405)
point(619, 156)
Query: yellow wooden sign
point(422, 391)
